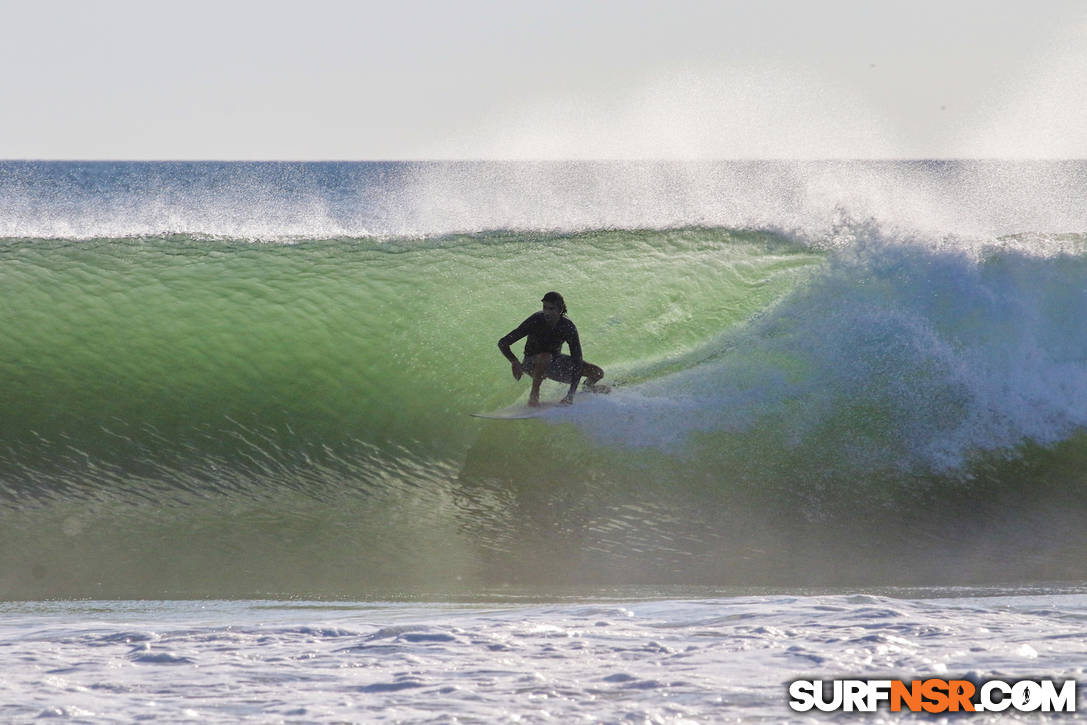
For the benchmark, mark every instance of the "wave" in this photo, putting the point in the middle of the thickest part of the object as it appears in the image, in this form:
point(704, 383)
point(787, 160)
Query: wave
point(197, 415)
point(179, 405)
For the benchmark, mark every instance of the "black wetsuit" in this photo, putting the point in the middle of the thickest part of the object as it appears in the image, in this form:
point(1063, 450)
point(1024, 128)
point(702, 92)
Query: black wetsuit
point(542, 337)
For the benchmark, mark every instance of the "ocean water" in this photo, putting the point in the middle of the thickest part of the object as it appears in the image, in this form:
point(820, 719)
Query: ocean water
point(239, 480)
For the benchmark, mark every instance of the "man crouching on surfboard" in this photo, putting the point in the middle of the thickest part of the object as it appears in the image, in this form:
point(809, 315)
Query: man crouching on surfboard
point(546, 331)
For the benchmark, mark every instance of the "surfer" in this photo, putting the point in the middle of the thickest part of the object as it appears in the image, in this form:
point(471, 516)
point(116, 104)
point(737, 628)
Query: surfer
point(546, 331)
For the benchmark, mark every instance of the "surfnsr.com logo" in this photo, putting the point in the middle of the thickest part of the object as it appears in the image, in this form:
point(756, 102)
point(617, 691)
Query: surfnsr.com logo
point(933, 695)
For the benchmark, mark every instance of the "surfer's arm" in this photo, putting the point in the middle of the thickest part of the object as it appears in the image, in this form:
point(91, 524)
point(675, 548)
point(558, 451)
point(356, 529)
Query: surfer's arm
point(504, 346)
point(512, 337)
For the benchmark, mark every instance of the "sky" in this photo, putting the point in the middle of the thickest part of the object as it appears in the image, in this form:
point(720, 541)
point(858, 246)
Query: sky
point(554, 79)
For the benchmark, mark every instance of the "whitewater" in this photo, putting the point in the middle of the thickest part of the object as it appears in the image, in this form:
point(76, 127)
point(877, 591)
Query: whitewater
point(236, 450)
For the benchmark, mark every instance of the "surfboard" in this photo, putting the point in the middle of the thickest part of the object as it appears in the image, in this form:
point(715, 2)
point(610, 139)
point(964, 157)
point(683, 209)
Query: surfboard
point(521, 411)
point(518, 412)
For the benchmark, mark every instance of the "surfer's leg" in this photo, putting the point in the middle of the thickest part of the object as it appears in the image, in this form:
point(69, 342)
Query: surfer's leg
point(592, 373)
point(561, 370)
point(540, 363)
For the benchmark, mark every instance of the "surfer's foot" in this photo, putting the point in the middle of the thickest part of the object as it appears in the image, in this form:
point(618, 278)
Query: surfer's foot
point(534, 402)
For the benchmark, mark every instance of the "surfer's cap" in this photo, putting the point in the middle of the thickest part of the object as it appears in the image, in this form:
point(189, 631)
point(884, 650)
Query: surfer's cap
point(555, 298)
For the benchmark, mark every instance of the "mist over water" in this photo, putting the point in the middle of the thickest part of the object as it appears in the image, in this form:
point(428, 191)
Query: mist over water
point(280, 201)
point(254, 379)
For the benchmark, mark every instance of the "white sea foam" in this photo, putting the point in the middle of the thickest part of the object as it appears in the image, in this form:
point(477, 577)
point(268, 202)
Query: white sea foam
point(707, 659)
point(895, 354)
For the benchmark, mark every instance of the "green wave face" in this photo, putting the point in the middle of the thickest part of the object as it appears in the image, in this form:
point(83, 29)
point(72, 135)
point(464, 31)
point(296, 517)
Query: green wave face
point(185, 342)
